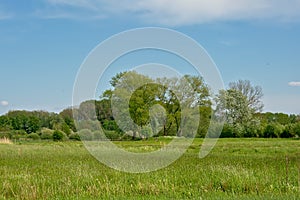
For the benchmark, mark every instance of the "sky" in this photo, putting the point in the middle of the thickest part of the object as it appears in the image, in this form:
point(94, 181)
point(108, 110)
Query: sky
point(44, 42)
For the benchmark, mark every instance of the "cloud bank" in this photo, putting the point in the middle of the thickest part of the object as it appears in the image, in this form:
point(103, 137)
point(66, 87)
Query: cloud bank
point(179, 12)
point(4, 103)
point(294, 84)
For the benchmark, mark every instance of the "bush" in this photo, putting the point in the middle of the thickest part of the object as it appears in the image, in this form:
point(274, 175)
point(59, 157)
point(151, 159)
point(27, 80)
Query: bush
point(74, 136)
point(227, 132)
point(98, 135)
point(86, 134)
point(273, 130)
point(288, 131)
point(66, 129)
point(46, 134)
point(214, 130)
point(6, 134)
point(112, 135)
point(88, 124)
point(146, 132)
point(33, 136)
point(296, 129)
point(59, 135)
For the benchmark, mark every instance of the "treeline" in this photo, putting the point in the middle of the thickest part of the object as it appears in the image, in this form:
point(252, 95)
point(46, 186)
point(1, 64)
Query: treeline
point(140, 107)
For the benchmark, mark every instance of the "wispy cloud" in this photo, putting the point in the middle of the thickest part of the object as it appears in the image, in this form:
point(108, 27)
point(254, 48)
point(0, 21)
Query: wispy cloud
point(294, 84)
point(61, 14)
point(4, 15)
point(88, 4)
point(178, 12)
point(4, 103)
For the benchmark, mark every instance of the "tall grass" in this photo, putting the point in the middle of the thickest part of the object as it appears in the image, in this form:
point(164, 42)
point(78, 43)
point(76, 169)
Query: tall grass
point(5, 141)
point(235, 169)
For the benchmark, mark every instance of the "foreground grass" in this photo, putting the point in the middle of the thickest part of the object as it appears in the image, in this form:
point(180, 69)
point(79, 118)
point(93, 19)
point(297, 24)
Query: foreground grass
point(235, 169)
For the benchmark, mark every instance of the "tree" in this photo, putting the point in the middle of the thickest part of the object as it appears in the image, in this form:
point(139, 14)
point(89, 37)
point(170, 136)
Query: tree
point(24, 120)
point(273, 130)
point(85, 135)
point(67, 115)
point(137, 94)
point(87, 111)
point(235, 106)
point(184, 99)
point(253, 94)
point(131, 99)
point(5, 123)
point(58, 135)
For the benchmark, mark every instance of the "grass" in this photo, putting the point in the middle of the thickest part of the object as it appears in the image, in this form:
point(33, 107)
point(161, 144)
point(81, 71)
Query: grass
point(235, 169)
point(5, 141)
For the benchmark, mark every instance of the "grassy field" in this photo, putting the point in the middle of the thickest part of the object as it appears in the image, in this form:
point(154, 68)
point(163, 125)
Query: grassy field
point(235, 169)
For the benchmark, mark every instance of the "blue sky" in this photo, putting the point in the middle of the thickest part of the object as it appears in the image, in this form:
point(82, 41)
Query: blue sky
point(44, 42)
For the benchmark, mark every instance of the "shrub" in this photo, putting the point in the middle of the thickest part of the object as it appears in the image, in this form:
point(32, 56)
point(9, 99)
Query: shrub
point(46, 134)
point(273, 130)
point(59, 135)
point(296, 129)
point(74, 136)
point(98, 135)
point(227, 132)
point(33, 136)
point(86, 134)
point(112, 135)
point(88, 124)
point(146, 132)
point(18, 134)
point(66, 129)
point(214, 130)
point(6, 134)
point(288, 131)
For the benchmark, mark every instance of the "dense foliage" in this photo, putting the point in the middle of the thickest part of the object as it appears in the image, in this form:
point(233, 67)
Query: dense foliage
point(156, 109)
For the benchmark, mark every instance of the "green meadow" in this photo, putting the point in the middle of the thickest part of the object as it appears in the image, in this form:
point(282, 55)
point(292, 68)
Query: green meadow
point(235, 169)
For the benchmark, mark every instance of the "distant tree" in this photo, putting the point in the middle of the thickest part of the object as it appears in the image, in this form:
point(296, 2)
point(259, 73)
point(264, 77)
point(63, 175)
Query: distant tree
point(296, 129)
point(252, 93)
point(24, 120)
point(87, 111)
point(288, 131)
point(46, 134)
point(134, 115)
point(85, 135)
point(59, 135)
point(98, 135)
point(205, 118)
point(273, 130)
point(33, 124)
point(146, 132)
point(227, 131)
point(67, 116)
point(188, 92)
point(5, 123)
point(74, 136)
point(33, 136)
point(235, 106)
point(103, 109)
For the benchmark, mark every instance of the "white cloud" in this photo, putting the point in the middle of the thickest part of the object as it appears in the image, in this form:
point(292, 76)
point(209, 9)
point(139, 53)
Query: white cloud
point(179, 12)
point(4, 103)
point(294, 84)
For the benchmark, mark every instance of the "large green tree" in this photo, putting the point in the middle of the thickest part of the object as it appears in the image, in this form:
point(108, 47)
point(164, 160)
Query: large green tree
point(137, 94)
